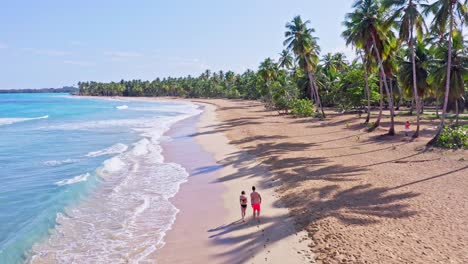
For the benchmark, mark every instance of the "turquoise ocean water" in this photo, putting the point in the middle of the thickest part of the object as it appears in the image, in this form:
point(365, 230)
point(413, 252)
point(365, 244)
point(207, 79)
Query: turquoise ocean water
point(83, 179)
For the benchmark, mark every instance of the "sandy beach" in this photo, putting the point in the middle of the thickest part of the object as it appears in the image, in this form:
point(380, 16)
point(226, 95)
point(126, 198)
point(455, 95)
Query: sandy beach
point(333, 194)
point(208, 227)
point(129, 132)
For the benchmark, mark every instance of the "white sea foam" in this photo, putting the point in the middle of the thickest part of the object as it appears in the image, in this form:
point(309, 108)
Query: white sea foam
point(78, 178)
point(9, 121)
point(156, 125)
point(128, 216)
point(141, 147)
point(91, 125)
point(122, 107)
point(114, 149)
point(54, 163)
point(173, 108)
point(111, 165)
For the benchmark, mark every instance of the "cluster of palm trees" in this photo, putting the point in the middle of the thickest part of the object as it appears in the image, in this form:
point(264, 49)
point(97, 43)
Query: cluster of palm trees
point(437, 53)
point(208, 85)
point(408, 52)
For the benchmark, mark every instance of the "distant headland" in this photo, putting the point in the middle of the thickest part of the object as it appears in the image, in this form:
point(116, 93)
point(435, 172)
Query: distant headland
point(65, 89)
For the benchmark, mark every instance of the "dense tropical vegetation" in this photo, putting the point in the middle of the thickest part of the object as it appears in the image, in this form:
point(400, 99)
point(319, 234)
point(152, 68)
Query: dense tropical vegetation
point(408, 53)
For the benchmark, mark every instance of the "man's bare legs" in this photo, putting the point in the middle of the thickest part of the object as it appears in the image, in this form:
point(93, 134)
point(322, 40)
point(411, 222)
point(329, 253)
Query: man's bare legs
point(256, 215)
point(243, 213)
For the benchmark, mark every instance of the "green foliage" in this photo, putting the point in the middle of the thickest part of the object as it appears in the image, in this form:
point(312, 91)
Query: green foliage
point(207, 85)
point(453, 138)
point(302, 108)
point(283, 95)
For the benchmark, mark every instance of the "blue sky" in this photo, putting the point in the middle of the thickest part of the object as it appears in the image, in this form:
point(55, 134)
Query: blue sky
point(52, 43)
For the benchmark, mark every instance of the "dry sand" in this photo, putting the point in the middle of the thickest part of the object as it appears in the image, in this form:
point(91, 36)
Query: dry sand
point(362, 198)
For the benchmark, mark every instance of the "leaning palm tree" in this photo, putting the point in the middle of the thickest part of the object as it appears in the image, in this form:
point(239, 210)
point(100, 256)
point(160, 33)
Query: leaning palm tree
point(446, 11)
point(286, 60)
point(409, 18)
point(299, 39)
point(366, 28)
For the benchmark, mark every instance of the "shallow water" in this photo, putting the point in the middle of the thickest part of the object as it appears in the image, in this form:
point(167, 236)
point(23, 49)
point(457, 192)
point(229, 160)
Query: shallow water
point(81, 179)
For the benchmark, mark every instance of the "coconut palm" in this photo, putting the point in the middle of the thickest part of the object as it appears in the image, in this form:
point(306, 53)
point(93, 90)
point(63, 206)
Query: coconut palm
point(366, 28)
point(286, 60)
point(459, 69)
point(268, 70)
point(446, 11)
point(421, 65)
point(333, 64)
point(409, 19)
point(299, 39)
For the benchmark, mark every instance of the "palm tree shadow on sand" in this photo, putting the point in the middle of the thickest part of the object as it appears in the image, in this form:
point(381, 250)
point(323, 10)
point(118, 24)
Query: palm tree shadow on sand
point(362, 205)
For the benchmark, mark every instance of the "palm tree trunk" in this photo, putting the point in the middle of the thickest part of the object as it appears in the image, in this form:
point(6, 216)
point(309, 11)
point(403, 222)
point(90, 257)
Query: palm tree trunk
point(391, 131)
point(315, 89)
point(457, 112)
point(366, 77)
point(379, 117)
point(421, 105)
point(312, 92)
point(318, 99)
point(411, 107)
point(415, 84)
point(312, 89)
point(390, 80)
point(447, 82)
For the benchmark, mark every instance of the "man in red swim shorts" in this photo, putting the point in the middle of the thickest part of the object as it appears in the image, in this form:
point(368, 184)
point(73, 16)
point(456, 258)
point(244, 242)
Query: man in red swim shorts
point(256, 200)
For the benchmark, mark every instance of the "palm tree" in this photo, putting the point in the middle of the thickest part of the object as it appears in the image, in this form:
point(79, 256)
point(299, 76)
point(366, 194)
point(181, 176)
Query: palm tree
point(268, 70)
point(421, 66)
point(459, 69)
point(333, 64)
point(443, 11)
point(299, 39)
point(407, 11)
point(286, 60)
point(366, 29)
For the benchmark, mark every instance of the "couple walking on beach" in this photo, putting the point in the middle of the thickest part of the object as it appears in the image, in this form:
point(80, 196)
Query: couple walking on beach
point(255, 200)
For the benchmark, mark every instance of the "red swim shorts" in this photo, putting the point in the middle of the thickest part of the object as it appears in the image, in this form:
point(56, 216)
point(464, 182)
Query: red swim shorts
point(256, 207)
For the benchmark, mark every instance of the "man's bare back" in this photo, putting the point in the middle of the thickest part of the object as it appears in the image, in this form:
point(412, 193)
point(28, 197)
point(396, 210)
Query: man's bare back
point(255, 198)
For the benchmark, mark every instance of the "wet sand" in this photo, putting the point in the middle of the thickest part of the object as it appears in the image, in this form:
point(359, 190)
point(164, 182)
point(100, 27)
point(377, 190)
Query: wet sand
point(199, 200)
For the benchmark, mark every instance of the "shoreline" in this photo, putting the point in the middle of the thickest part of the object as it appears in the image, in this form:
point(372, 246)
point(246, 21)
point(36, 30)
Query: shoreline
point(356, 197)
point(126, 172)
point(213, 233)
point(198, 199)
